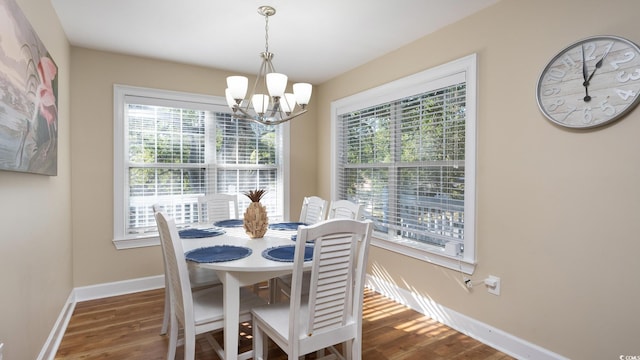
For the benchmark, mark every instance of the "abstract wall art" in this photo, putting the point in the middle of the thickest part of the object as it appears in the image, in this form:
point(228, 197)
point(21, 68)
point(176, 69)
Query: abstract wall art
point(28, 97)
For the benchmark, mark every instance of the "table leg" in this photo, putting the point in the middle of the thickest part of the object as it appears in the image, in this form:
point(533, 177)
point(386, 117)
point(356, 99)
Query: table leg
point(273, 290)
point(231, 303)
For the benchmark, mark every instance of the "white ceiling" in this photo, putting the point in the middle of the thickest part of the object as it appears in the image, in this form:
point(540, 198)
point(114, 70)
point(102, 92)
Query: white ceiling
point(312, 41)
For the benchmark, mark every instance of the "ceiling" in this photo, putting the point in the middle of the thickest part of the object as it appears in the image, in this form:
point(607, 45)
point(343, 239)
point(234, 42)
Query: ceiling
point(313, 41)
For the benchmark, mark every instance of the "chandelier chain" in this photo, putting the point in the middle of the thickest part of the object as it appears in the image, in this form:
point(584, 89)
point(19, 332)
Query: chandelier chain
point(266, 33)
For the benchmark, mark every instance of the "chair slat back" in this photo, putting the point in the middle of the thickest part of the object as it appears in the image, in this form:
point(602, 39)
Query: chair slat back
point(175, 267)
point(329, 307)
point(337, 274)
point(344, 209)
point(214, 207)
point(314, 209)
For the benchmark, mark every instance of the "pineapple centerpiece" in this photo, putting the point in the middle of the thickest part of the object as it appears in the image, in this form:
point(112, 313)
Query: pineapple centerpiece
point(255, 218)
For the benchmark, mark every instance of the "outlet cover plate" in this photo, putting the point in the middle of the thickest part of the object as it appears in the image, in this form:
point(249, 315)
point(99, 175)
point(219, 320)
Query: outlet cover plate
point(494, 290)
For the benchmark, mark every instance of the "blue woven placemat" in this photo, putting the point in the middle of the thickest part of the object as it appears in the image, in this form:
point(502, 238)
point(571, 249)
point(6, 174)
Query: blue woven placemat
point(217, 253)
point(200, 233)
point(229, 223)
point(294, 237)
point(285, 226)
point(285, 253)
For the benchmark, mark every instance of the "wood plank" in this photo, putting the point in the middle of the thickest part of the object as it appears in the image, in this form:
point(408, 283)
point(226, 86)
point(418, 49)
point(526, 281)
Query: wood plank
point(128, 327)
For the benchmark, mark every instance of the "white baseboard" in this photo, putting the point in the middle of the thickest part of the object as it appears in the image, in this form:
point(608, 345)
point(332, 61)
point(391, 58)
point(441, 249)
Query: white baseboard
point(93, 292)
point(496, 338)
point(100, 291)
point(50, 347)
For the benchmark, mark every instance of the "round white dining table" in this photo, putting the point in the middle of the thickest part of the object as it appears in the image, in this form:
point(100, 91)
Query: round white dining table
point(242, 272)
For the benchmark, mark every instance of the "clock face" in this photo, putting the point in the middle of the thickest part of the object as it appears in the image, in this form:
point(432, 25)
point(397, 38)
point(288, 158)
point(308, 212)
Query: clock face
point(591, 83)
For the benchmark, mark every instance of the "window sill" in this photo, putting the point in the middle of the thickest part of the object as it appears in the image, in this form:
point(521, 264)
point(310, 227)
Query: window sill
point(136, 242)
point(431, 254)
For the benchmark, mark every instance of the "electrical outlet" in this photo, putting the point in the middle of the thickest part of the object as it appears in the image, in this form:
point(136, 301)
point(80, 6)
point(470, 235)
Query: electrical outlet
point(493, 284)
point(467, 282)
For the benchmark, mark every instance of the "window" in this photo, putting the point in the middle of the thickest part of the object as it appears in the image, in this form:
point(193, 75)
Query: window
point(171, 148)
point(406, 152)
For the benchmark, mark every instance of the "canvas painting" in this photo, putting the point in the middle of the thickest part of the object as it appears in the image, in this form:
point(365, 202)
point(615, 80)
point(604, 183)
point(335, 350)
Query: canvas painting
point(28, 97)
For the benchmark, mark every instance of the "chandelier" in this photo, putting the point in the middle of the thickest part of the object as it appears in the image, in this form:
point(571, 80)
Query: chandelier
point(276, 107)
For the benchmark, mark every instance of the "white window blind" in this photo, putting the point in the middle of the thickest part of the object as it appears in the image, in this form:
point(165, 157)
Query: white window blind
point(410, 160)
point(404, 160)
point(177, 147)
point(166, 162)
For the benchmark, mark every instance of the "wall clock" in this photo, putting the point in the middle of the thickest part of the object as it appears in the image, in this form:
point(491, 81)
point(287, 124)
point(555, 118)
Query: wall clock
point(590, 83)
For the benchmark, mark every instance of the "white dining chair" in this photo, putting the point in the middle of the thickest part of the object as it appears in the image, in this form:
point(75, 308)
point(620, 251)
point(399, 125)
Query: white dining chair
point(339, 209)
point(196, 312)
point(198, 278)
point(214, 207)
point(344, 209)
point(314, 209)
point(332, 312)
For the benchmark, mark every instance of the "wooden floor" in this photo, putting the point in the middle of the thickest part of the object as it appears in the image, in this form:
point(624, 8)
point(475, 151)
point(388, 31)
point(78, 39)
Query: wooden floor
point(128, 327)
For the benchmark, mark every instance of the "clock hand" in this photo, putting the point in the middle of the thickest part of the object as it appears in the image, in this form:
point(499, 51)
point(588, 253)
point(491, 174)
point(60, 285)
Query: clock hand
point(587, 98)
point(585, 75)
point(598, 64)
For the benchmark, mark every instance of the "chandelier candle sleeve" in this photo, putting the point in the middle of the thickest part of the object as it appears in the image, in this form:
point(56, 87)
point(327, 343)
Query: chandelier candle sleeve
point(278, 106)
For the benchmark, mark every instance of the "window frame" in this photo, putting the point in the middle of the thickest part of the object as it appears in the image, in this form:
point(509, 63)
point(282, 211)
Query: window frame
point(424, 81)
point(121, 239)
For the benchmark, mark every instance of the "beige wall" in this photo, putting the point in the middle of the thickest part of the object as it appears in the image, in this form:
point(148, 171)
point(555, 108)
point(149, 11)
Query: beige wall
point(557, 210)
point(35, 245)
point(543, 192)
point(94, 73)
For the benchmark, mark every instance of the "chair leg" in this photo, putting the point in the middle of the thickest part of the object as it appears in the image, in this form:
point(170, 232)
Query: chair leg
point(189, 343)
point(167, 312)
point(173, 339)
point(353, 349)
point(260, 350)
point(265, 347)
